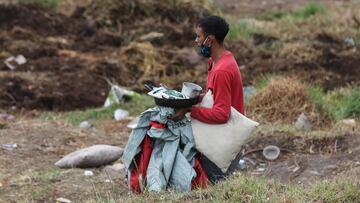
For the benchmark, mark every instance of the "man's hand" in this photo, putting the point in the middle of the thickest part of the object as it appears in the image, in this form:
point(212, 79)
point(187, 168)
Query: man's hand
point(201, 96)
point(179, 114)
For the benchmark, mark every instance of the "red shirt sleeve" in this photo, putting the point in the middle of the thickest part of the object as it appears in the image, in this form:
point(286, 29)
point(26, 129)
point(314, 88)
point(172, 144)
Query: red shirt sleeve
point(220, 113)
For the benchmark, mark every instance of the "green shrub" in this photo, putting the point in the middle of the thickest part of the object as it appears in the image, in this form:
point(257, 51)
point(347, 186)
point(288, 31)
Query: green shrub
point(241, 29)
point(344, 103)
point(306, 11)
point(43, 3)
point(339, 104)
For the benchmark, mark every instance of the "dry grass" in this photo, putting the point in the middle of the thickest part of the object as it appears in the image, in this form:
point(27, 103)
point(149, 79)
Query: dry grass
point(283, 99)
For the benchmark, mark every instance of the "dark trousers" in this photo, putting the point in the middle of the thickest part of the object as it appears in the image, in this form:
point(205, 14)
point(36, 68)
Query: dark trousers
point(213, 172)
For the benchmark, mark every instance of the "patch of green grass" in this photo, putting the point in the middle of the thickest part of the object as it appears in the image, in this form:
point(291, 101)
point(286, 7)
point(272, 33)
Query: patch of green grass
point(344, 103)
point(241, 188)
point(47, 176)
point(306, 11)
point(309, 9)
point(43, 3)
point(357, 38)
point(334, 191)
point(339, 104)
point(43, 183)
point(241, 29)
point(317, 95)
point(263, 80)
point(135, 106)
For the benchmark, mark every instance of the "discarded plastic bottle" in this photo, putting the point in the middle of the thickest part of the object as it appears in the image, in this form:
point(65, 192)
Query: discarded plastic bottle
point(8, 146)
point(242, 165)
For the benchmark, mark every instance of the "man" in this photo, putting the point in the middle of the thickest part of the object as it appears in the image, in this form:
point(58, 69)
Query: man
point(224, 80)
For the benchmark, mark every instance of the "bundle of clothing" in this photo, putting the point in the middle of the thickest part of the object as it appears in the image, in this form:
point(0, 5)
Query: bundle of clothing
point(160, 154)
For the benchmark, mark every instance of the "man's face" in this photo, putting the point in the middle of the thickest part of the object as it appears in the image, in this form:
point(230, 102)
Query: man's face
point(200, 36)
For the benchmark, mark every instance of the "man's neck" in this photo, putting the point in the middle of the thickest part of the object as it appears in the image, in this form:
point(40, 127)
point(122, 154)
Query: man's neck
point(217, 53)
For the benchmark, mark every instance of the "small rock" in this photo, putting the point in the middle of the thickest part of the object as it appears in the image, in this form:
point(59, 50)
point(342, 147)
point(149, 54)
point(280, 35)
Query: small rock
point(86, 125)
point(88, 173)
point(63, 200)
point(120, 114)
point(303, 123)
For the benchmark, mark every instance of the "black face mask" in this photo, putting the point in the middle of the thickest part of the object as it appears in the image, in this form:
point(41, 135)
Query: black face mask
point(204, 50)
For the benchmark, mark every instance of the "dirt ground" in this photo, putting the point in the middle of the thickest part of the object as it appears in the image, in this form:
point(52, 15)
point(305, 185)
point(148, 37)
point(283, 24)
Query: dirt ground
point(28, 172)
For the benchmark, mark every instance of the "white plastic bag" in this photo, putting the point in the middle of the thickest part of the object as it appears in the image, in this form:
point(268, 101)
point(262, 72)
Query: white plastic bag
point(220, 143)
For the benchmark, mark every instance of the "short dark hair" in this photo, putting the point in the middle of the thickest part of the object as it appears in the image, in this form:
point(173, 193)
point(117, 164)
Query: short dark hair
point(214, 25)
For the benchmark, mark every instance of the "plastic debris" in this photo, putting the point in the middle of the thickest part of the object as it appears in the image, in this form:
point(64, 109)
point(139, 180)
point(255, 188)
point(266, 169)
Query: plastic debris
point(260, 169)
point(350, 41)
point(86, 125)
point(88, 173)
point(242, 164)
point(12, 62)
point(120, 114)
point(271, 152)
point(248, 92)
point(63, 200)
point(8, 146)
point(303, 123)
point(116, 94)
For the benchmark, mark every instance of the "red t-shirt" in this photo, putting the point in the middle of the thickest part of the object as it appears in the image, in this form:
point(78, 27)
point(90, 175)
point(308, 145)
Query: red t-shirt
point(224, 79)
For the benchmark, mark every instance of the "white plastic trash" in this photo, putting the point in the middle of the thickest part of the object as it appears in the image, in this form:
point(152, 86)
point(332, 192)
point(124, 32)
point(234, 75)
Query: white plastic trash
point(85, 125)
point(191, 90)
point(19, 60)
point(116, 94)
point(271, 152)
point(120, 114)
point(88, 173)
point(303, 123)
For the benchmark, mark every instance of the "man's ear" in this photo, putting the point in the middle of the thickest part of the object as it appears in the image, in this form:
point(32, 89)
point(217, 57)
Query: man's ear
point(211, 40)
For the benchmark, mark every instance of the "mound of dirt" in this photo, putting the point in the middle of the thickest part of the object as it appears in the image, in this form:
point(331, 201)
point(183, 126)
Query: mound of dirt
point(70, 59)
point(327, 60)
point(175, 19)
point(283, 99)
